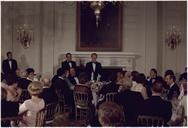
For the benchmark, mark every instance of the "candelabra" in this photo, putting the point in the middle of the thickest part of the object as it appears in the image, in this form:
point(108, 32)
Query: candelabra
point(25, 34)
point(173, 37)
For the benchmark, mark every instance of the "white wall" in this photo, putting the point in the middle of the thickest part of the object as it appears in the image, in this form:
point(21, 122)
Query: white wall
point(55, 33)
point(14, 14)
point(174, 13)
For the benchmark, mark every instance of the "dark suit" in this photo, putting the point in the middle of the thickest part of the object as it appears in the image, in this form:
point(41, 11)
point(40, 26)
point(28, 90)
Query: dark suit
point(62, 86)
point(23, 83)
point(131, 102)
point(155, 106)
point(8, 109)
point(49, 95)
point(89, 69)
point(112, 87)
point(6, 67)
point(65, 65)
point(174, 90)
point(72, 80)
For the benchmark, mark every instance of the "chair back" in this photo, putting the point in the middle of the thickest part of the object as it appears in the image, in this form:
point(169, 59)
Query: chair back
point(81, 96)
point(51, 109)
point(5, 122)
point(61, 106)
point(150, 121)
point(110, 97)
point(40, 118)
point(60, 96)
point(24, 96)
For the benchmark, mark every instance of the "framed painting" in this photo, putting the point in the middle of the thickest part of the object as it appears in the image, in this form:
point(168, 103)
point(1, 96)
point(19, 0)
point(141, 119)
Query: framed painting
point(107, 36)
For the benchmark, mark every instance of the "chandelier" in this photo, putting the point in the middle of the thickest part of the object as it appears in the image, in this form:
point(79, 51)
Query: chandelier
point(97, 6)
point(173, 37)
point(25, 34)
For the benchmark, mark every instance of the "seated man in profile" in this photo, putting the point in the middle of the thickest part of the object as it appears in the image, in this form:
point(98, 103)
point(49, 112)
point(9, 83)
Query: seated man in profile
point(170, 80)
point(155, 105)
point(72, 76)
point(93, 68)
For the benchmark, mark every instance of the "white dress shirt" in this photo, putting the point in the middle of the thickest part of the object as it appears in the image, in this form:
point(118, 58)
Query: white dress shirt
point(70, 64)
point(94, 66)
point(76, 79)
point(10, 64)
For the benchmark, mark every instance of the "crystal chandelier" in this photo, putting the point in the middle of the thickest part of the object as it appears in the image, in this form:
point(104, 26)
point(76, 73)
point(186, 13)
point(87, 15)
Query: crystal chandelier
point(97, 6)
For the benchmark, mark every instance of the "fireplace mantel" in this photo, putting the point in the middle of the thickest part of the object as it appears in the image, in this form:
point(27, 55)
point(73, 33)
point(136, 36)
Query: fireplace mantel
point(124, 60)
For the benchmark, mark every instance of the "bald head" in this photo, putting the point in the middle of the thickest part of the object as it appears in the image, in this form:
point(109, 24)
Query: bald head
point(46, 82)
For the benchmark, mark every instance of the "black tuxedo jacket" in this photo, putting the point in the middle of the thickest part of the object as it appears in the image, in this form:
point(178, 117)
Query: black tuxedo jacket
point(6, 67)
point(174, 90)
point(65, 65)
point(155, 106)
point(62, 86)
point(23, 83)
point(72, 80)
point(131, 102)
point(49, 96)
point(89, 69)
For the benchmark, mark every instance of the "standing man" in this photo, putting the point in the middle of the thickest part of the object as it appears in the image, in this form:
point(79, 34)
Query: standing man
point(93, 68)
point(68, 63)
point(9, 65)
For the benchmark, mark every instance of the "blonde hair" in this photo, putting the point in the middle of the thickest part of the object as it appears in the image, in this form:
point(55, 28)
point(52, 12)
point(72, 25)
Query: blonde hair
point(35, 88)
point(127, 83)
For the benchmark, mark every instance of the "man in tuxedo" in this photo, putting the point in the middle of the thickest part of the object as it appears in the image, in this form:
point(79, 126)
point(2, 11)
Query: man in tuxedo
point(68, 63)
point(9, 65)
point(173, 87)
point(131, 101)
point(93, 68)
point(155, 105)
point(72, 77)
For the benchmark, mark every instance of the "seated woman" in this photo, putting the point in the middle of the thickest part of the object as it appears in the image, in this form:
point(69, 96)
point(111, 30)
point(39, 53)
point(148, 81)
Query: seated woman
point(140, 85)
point(120, 77)
point(11, 86)
point(30, 107)
point(8, 108)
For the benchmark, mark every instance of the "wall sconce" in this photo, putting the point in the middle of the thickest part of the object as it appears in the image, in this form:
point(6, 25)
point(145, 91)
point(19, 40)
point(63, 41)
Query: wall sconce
point(25, 34)
point(173, 37)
